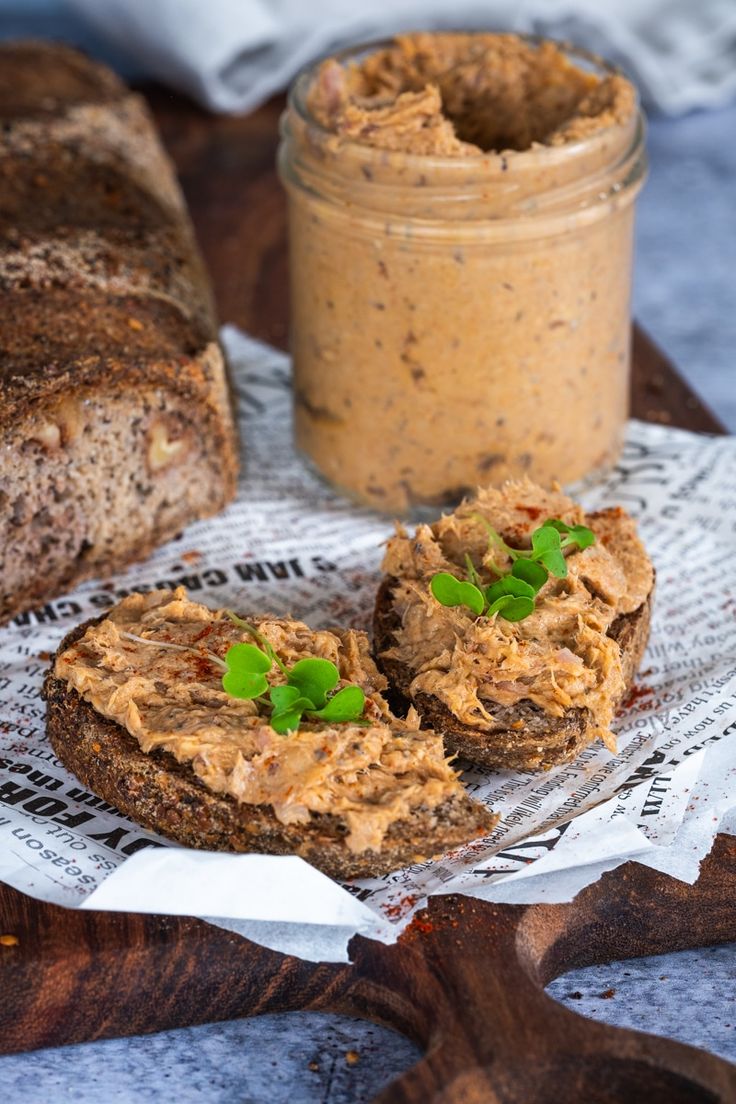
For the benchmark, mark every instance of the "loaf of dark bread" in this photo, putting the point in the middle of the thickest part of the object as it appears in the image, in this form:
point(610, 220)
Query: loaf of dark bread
point(166, 796)
point(115, 416)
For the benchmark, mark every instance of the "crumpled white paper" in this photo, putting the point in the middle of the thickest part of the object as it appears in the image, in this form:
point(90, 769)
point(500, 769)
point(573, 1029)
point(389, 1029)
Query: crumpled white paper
point(289, 545)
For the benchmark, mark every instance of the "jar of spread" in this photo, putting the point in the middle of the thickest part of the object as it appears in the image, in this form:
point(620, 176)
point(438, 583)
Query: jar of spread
point(461, 217)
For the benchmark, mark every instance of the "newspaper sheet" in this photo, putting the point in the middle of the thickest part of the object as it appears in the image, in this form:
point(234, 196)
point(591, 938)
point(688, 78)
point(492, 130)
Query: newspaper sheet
point(290, 545)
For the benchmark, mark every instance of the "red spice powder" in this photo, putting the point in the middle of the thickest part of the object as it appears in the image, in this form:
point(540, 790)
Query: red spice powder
point(420, 924)
point(636, 694)
point(532, 511)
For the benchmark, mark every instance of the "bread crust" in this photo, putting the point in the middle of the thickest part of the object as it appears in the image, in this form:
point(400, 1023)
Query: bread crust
point(103, 294)
point(542, 740)
point(165, 796)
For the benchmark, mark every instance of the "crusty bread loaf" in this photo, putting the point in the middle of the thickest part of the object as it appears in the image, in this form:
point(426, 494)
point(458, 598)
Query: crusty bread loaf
point(167, 797)
point(115, 417)
point(523, 736)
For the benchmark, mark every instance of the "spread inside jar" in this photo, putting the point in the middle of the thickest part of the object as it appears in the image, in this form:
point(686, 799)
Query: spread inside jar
point(462, 95)
point(148, 666)
point(561, 656)
point(461, 227)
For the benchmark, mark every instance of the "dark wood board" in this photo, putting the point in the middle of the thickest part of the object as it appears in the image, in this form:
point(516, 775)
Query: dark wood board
point(467, 979)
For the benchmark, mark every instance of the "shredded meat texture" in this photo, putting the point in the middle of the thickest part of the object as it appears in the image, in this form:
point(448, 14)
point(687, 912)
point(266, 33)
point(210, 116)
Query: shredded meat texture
point(369, 775)
point(561, 656)
point(460, 95)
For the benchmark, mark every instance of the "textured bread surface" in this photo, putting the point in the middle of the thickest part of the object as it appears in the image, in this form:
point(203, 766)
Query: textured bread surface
point(116, 428)
point(167, 797)
point(539, 740)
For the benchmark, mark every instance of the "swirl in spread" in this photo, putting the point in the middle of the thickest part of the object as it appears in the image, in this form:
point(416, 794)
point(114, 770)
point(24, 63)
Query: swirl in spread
point(561, 656)
point(371, 776)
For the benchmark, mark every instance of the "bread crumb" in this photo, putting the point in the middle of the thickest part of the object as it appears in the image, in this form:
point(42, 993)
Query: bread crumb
point(352, 1057)
point(9, 940)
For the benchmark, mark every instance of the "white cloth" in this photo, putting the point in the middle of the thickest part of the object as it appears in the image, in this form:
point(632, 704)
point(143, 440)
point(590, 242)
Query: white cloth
point(231, 55)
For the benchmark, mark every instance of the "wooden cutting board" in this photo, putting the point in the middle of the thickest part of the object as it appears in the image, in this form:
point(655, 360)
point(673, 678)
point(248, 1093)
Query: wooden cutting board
point(466, 980)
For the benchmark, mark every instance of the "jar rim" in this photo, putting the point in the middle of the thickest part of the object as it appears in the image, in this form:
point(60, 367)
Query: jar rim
point(487, 160)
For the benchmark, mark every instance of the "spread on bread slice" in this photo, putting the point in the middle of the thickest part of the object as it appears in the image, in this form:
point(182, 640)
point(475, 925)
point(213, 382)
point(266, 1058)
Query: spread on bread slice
point(263, 736)
point(516, 665)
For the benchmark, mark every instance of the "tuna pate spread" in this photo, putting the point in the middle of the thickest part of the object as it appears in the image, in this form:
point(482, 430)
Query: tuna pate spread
point(460, 95)
point(168, 694)
point(460, 229)
point(561, 656)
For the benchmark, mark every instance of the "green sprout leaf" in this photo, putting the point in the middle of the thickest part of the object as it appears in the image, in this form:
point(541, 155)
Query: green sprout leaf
point(509, 585)
point(555, 563)
point(581, 536)
point(545, 539)
point(572, 535)
point(346, 705)
point(246, 671)
point(511, 608)
point(309, 682)
point(285, 722)
point(513, 595)
point(547, 549)
point(450, 591)
point(499, 605)
point(535, 574)
point(516, 609)
point(285, 698)
point(556, 523)
point(314, 678)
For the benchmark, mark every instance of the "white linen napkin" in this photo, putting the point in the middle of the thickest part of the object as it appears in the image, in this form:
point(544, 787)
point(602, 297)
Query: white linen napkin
point(231, 55)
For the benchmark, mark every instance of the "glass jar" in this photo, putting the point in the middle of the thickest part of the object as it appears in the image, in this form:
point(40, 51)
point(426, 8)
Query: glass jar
point(458, 321)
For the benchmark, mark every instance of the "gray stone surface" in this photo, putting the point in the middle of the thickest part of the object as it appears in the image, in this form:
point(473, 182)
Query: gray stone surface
point(301, 1057)
point(690, 996)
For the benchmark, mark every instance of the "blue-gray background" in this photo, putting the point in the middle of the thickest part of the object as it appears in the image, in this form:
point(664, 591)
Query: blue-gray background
point(685, 295)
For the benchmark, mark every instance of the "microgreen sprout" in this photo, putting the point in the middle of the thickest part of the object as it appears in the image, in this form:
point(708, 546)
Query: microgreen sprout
point(513, 595)
point(309, 683)
point(308, 690)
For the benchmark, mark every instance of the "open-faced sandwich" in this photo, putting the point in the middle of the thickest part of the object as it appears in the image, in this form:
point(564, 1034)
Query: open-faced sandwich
point(260, 735)
point(516, 624)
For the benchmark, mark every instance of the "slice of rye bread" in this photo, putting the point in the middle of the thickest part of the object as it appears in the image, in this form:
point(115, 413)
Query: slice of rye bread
point(166, 796)
point(541, 741)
